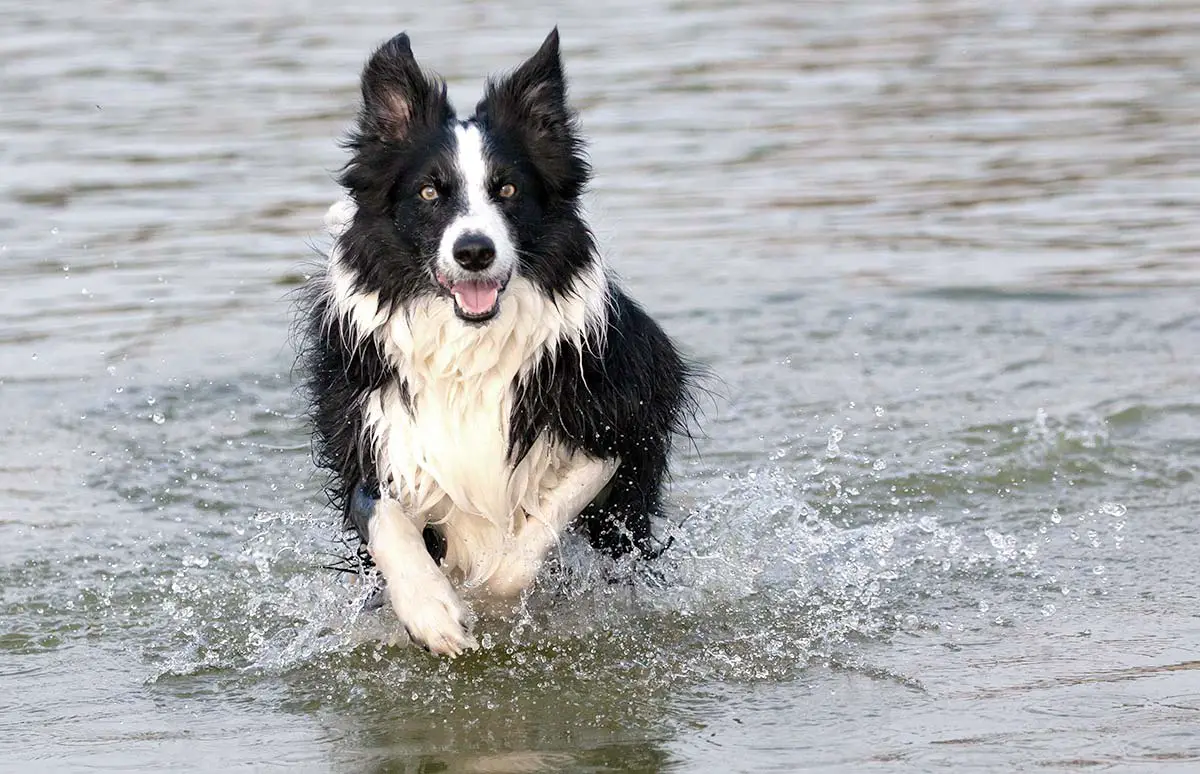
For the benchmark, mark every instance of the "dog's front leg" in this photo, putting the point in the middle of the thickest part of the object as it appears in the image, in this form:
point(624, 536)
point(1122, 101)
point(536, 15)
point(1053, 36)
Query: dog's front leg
point(421, 595)
point(527, 550)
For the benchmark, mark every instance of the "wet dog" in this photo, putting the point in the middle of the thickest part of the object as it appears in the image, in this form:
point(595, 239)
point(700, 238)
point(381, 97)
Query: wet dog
point(479, 381)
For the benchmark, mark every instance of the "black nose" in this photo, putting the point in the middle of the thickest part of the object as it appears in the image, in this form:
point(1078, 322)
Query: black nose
point(474, 252)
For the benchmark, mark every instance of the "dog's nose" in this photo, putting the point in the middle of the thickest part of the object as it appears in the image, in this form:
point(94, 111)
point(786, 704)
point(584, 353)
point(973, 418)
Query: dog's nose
point(474, 252)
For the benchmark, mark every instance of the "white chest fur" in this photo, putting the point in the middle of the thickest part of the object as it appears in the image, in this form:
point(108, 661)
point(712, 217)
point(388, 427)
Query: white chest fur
point(446, 459)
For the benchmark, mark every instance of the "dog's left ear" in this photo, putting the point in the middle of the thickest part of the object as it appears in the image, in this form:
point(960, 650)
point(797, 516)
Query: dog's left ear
point(539, 87)
point(532, 102)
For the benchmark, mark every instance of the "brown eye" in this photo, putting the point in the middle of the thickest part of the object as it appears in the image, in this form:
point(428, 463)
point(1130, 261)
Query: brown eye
point(429, 193)
point(507, 191)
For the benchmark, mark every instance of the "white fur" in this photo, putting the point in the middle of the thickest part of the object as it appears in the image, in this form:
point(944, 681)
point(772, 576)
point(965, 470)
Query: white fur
point(482, 215)
point(443, 458)
point(447, 459)
point(421, 596)
point(524, 555)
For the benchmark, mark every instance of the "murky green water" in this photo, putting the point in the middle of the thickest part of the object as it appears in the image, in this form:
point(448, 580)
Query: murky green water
point(942, 255)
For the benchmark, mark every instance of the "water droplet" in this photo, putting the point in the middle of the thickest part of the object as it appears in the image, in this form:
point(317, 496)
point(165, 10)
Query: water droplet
point(1098, 570)
point(878, 465)
point(54, 231)
point(984, 606)
point(831, 448)
point(1113, 509)
point(158, 418)
point(1056, 517)
point(1048, 610)
point(1005, 545)
point(150, 400)
point(879, 411)
point(35, 356)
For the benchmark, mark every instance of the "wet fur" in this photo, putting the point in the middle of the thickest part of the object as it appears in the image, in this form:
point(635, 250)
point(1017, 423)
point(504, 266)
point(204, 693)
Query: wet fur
point(491, 435)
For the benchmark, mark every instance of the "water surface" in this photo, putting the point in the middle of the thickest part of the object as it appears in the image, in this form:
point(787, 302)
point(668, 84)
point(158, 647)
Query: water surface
point(942, 256)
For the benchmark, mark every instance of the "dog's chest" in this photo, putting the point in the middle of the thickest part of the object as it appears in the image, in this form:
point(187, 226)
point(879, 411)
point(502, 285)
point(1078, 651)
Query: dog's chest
point(446, 446)
point(441, 443)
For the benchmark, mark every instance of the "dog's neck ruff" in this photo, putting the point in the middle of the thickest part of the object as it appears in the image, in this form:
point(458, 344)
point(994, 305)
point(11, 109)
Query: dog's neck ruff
point(440, 428)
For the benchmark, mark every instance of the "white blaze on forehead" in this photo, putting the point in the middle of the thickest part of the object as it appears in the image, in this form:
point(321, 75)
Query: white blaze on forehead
point(482, 215)
point(472, 165)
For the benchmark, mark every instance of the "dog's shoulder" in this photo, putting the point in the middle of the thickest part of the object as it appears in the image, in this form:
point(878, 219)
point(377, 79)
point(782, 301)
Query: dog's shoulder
point(609, 393)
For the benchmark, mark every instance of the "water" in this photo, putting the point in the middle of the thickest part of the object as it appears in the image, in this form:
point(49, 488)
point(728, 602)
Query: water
point(942, 256)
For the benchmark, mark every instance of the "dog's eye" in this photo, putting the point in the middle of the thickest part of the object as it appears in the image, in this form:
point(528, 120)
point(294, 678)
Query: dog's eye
point(429, 193)
point(508, 191)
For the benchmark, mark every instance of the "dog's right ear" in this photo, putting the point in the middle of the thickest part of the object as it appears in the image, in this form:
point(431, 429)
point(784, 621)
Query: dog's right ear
point(397, 95)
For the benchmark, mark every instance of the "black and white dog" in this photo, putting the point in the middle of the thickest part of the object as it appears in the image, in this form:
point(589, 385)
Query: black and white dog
point(470, 361)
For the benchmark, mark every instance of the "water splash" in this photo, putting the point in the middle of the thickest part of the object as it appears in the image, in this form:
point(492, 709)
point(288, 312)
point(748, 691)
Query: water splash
point(802, 557)
point(760, 581)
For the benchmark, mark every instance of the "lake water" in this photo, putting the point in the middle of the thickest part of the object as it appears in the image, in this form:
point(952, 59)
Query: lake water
point(943, 256)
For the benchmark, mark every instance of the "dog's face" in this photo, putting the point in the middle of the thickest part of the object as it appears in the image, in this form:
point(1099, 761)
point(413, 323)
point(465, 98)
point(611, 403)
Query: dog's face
point(459, 208)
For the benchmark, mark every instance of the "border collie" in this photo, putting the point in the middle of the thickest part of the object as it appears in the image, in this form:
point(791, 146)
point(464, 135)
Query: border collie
point(478, 381)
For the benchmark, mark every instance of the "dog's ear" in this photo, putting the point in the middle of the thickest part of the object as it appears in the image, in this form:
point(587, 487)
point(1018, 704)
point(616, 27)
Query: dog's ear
point(537, 90)
point(532, 102)
point(397, 95)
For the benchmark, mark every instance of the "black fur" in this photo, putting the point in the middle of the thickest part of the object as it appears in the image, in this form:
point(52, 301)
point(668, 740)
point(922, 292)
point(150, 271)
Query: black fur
point(628, 400)
point(337, 380)
point(626, 394)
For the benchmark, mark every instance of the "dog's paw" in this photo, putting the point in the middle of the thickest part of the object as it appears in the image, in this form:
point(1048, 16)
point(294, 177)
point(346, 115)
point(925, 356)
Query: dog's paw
point(436, 620)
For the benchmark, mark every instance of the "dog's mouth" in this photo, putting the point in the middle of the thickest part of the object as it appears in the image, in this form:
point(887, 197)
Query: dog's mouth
point(475, 300)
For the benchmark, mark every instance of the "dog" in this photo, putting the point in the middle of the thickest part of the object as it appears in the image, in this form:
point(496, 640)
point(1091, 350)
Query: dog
point(479, 382)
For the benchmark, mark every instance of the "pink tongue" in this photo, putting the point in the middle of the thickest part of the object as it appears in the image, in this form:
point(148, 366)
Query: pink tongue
point(475, 297)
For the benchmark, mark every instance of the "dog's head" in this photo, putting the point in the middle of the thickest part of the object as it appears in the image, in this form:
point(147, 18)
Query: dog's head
point(458, 208)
